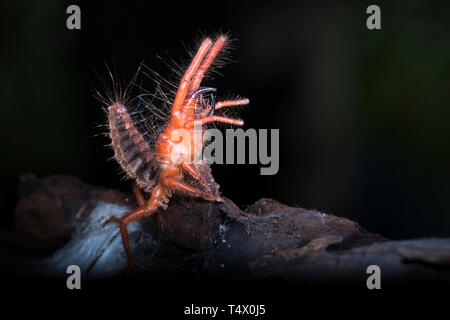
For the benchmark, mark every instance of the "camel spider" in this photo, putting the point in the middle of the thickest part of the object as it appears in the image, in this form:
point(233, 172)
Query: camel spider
point(152, 167)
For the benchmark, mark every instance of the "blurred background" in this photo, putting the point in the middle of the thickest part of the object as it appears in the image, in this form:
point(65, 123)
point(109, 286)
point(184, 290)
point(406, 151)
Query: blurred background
point(364, 116)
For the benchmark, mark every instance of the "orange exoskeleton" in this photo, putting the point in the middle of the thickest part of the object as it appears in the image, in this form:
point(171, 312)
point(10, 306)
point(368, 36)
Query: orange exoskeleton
point(151, 166)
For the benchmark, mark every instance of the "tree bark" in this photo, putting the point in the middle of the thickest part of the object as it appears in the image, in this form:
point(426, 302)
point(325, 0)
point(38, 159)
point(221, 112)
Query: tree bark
point(61, 221)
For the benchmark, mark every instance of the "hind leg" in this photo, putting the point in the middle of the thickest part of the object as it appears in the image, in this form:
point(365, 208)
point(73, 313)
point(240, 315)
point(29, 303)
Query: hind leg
point(148, 209)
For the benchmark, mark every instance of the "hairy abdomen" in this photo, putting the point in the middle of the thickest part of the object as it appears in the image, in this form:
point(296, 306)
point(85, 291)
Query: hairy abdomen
point(131, 150)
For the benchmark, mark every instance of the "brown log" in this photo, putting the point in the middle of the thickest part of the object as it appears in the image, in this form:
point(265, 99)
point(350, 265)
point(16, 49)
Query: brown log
point(62, 221)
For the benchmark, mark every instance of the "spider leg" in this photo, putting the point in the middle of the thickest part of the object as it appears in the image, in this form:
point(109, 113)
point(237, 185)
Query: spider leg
point(216, 118)
point(196, 175)
point(185, 81)
point(199, 74)
point(149, 208)
point(223, 104)
point(139, 195)
point(177, 185)
point(198, 77)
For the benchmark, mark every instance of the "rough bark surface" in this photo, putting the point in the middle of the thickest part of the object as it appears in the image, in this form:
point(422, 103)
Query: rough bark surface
point(61, 221)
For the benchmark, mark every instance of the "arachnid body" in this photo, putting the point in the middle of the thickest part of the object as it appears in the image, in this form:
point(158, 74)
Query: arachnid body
point(152, 166)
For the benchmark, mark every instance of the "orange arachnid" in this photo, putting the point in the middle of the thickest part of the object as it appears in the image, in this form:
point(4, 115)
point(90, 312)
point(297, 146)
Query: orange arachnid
point(150, 164)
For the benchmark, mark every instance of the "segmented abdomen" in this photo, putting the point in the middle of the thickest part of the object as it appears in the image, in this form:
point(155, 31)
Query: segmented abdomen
point(131, 150)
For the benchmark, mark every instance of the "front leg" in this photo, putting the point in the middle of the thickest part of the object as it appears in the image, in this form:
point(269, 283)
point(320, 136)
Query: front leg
point(139, 198)
point(202, 121)
point(139, 195)
point(178, 185)
point(222, 104)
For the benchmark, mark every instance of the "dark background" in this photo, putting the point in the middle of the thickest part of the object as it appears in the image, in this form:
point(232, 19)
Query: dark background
point(363, 115)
